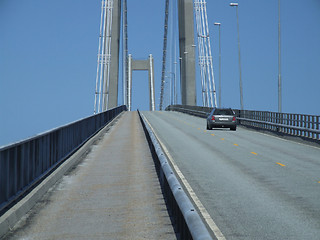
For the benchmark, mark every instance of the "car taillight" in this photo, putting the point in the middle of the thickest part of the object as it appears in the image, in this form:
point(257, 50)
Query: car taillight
point(213, 118)
point(234, 119)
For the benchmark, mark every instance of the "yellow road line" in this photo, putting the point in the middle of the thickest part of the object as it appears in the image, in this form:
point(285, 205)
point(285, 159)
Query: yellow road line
point(212, 134)
point(254, 153)
point(236, 144)
point(282, 165)
point(222, 139)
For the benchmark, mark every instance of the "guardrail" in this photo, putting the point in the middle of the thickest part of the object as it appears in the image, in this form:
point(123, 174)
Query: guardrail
point(25, 164)
point(301, 125)
point(188, 222)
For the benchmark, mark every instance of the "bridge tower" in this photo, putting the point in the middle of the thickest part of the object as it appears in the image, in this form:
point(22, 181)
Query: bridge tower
point(141, 65)
point(187, 52)
point(106, 95)
point(115, 44)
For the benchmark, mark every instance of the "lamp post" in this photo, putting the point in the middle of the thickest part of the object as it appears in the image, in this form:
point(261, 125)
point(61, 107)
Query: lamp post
point(219, 24)
point(175, 83)
point(170, 88)
point(180, 65)
point(240, 81)
point(279, 63)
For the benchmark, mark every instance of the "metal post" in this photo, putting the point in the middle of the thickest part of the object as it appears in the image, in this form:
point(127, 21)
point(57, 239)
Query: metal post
point(151, 82)
point(241, 92)
point(172, 87)
point(129, 89)
point(219, 66)
point(175, 84)
point(317, 126)
point(240, 81)
point(219, 24)
point(279, 62)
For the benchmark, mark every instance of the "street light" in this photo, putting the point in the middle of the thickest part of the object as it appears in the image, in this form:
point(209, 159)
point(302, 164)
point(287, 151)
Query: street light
point(240, 81)
point(219, 24)
point(175, 83)
point(172, 88)
point(173, 100)
point(279, 63)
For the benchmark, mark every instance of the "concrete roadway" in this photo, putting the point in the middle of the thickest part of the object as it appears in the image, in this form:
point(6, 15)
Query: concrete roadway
point(253, 185)
point(113, 194)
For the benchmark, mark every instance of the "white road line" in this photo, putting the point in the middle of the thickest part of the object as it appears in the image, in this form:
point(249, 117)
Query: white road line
point(285, 140)
point(206, 216)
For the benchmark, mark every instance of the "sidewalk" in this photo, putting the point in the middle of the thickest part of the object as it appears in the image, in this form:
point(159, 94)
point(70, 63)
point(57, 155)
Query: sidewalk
point(114, 193)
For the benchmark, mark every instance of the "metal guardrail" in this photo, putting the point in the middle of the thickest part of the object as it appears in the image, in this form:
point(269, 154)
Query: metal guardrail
point(301, 125)
point(191, 110)
point(188, 221)
point(26, 163)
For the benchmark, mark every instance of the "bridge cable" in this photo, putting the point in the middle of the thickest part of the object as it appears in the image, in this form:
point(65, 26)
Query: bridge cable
point(104, 57)
point(205, 58)
point(164, 56)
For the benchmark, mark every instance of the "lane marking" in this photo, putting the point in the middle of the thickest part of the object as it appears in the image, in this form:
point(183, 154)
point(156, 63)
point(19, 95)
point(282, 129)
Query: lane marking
point(236, 144)
point(203, 211)
point(212, 134)
point(282, 165)
point(222, 139)
point(254, 153)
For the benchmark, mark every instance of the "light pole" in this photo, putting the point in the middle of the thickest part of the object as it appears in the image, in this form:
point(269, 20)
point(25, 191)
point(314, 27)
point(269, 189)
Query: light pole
point(170, 88)
point(279, 63)
point(219, 24)
point(240, 81)
point(173, 88)
point(175, 83)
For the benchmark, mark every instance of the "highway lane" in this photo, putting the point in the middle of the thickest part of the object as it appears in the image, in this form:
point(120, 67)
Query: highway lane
point(254, 185)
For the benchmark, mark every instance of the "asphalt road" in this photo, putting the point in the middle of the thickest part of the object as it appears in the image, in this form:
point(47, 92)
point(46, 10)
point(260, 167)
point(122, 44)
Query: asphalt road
point(114, 193)
point(253, 185)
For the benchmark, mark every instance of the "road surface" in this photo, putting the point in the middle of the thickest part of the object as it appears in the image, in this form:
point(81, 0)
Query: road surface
point(253, 185)
point(113, 194)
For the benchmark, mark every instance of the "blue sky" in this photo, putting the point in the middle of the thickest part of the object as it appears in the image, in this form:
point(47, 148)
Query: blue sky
point(48, 57)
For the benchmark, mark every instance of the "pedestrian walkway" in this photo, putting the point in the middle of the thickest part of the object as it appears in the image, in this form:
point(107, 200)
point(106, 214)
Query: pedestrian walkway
point(114, 193)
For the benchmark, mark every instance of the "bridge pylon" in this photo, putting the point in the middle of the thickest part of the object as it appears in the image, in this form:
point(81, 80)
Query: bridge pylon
point(187, 52)
point(107, 80)
point(141, 65)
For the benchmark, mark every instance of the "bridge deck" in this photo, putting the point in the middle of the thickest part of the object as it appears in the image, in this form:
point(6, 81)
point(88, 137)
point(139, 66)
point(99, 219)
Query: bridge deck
point(113, 194)
point(253, 185)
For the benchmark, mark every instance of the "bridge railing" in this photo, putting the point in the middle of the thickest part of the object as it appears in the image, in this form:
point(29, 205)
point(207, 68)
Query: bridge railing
point(187, 219)
point(26, 163)
point(302, 125)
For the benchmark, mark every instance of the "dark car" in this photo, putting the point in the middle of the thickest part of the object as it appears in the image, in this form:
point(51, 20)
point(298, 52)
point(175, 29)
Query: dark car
point(222, 118)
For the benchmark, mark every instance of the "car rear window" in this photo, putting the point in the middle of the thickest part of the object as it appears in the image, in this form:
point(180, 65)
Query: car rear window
point(223, 112)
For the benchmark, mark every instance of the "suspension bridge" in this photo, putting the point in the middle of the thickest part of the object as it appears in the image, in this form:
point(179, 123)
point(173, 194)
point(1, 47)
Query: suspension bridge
point(123, 174)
